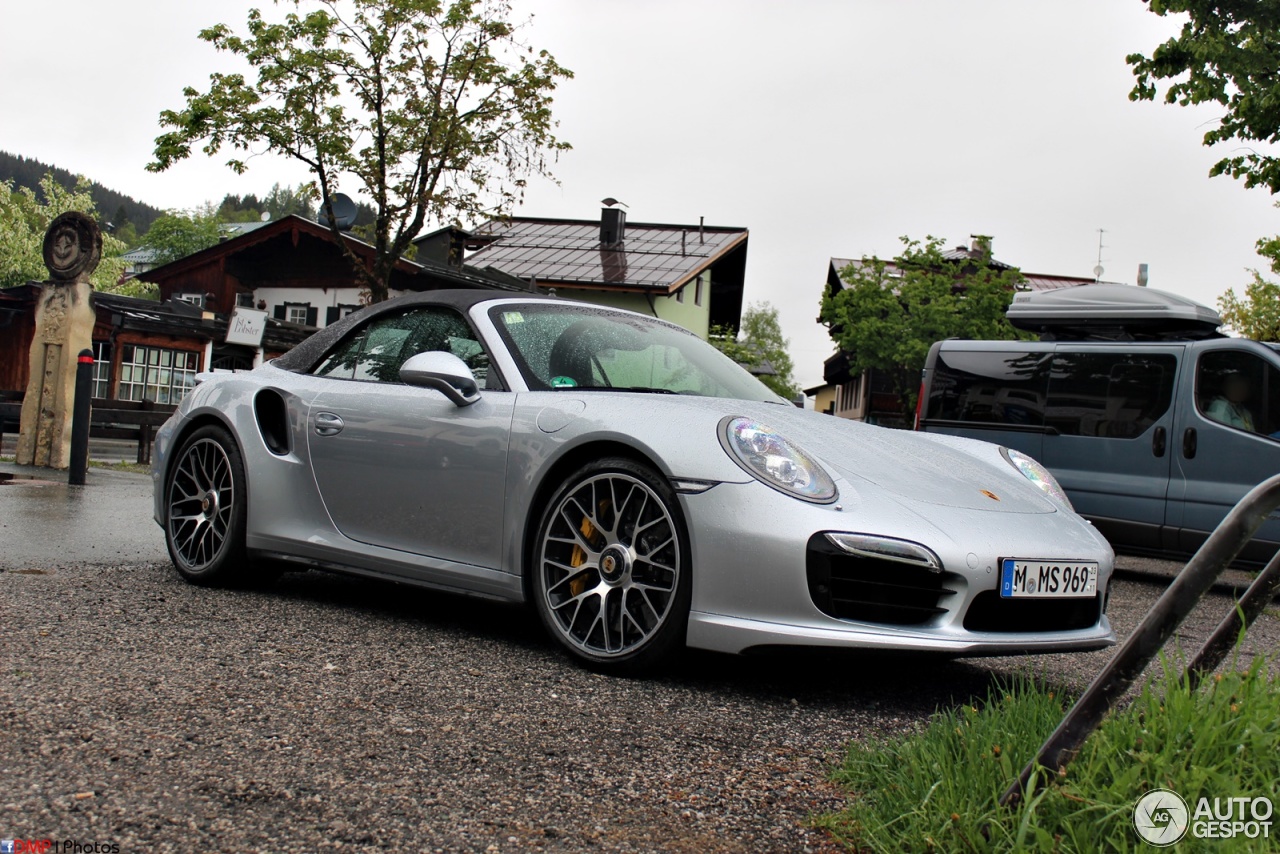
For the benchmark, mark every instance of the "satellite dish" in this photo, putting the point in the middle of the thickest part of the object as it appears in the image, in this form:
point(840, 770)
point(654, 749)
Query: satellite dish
point(344, 211)
point(266, 216)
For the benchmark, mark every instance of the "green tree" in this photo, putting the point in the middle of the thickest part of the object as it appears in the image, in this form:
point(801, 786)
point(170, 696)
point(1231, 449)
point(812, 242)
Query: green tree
point(1227, 53)
point(127, 234)
point(1256, 315)
point(282, 201)
point(439, 111)
point(24, 218)
point(889, 313)
point(178, 234)
point(759, 343)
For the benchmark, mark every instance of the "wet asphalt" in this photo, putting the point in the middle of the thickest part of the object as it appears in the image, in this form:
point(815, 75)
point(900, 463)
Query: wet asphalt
point(326, 713)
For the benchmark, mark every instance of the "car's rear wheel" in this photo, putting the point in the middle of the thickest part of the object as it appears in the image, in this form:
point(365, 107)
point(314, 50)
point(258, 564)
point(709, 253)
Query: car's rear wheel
point(611, 568)
point(205, 504)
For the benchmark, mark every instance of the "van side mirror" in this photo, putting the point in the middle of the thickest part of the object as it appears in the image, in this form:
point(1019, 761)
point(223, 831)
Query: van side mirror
point(443, 372)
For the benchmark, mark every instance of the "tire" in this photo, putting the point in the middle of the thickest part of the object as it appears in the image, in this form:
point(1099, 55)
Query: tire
point(611, 575)
point(205, 508)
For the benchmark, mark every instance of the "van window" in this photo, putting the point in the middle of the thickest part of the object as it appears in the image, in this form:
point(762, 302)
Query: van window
point(992, 388)
point(1112, 395)
point(1239, 389)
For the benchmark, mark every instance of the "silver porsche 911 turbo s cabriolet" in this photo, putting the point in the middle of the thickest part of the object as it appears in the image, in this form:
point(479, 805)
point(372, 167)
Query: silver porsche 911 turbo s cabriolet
point(642, 490)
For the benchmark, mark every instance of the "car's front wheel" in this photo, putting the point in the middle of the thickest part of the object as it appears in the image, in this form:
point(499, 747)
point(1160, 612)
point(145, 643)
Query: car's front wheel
point(611, 568)
point(205, 508)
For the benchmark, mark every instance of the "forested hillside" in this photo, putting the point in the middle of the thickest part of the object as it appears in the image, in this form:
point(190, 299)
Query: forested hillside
point(113, 207)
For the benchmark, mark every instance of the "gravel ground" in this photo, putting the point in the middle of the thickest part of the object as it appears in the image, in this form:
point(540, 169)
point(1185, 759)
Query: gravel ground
point(328, 714)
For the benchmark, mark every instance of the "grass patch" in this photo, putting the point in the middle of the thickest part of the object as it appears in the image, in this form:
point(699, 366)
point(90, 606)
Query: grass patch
point(938, 790)
point(103, 464)
point(136, 468)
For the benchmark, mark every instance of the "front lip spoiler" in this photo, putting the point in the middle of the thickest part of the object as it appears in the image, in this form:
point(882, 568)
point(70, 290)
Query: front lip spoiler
point(723, 633)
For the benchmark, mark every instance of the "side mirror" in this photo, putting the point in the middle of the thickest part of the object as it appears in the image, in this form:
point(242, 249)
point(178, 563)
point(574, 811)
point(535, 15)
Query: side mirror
point(443, 372)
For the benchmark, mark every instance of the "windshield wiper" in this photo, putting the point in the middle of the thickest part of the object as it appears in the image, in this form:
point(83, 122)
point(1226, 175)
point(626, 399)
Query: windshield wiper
point(635, 388)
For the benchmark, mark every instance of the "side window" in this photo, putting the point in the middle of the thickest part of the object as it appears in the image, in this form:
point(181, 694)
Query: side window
point(376, 351)
point(446, 330)
point(1111, 395)
point(1239, 389)
point(989, 387)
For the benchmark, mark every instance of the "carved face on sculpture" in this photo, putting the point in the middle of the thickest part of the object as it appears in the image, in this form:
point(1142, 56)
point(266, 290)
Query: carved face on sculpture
point(66, 248)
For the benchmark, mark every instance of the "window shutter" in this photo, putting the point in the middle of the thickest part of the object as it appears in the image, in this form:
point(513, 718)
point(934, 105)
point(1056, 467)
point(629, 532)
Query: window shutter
point(311, 316)
point(279, 312)
point(331, 314)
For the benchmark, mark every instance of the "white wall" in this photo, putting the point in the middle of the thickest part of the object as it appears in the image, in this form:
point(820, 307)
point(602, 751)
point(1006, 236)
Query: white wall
point(320, 298)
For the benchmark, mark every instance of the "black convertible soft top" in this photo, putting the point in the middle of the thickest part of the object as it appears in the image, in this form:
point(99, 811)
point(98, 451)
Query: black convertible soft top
point(303, 358)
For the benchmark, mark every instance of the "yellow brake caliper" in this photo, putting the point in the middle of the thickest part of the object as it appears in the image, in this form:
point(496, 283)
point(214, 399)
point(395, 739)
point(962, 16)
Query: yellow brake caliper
point(579, 557)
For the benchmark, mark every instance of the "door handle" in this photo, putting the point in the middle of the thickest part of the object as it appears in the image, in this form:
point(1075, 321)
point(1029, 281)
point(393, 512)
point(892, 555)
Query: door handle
point(1189, 443)
point(1158, 442)
point(328, 424)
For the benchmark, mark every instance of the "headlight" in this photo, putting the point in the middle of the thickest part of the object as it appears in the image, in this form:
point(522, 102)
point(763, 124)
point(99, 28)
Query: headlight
point(768, 457)
point(1039, 475)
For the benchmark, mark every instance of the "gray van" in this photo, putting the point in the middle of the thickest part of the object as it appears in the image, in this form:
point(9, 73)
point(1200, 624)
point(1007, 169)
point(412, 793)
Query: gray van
point(1154, 424)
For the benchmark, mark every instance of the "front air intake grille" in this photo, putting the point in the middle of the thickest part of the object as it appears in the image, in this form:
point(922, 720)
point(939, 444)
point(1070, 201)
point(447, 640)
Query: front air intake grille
point(872, 590)
point(990, 613)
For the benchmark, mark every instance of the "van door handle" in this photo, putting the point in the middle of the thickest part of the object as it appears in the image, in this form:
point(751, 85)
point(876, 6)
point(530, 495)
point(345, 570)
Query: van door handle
point(328, 424)
point(1158, 442)
point(1189, 443)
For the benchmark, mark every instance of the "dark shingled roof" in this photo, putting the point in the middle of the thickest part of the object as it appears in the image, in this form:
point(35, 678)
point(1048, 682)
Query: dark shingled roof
point(568, 253)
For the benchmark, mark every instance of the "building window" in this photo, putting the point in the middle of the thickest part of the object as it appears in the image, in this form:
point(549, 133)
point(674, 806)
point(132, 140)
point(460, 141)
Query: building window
point(680, 295)
point(193, 299)
point(244, 299)
point(297, 312)
point(156, 374)
point(101, 369)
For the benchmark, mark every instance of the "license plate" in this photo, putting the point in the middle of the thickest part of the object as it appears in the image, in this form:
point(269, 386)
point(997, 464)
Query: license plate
point(1047, 579)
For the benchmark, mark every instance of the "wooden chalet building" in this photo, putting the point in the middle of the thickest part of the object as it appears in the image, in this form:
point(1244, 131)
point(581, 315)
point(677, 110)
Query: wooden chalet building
point(287, 273)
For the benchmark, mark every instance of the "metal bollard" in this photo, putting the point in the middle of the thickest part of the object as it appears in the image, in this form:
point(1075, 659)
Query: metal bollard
point(80, 419)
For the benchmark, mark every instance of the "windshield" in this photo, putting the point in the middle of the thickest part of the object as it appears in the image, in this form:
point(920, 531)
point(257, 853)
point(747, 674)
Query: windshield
point(560, 346)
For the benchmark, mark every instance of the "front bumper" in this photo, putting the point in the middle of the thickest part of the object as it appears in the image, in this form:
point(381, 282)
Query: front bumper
point(753, 583)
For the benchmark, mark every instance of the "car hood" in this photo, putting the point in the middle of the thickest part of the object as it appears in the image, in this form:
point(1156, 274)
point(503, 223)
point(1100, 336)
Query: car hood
point(920, 467)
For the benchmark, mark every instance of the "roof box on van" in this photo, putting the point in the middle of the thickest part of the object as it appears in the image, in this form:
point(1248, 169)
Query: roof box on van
point(1112, 312)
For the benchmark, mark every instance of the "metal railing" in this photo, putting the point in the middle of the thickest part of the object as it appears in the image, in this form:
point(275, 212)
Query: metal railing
point(1173, 606)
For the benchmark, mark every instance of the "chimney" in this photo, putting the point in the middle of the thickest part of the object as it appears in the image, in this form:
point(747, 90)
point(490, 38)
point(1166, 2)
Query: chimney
point(981, 246)
point(1142, 275)
point(613, 225)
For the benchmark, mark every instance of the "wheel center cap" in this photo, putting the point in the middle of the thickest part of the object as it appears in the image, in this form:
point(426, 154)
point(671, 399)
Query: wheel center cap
point(614, 564)
point(209, 503)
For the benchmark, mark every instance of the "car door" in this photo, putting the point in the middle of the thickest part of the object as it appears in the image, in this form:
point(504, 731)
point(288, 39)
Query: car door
point(1110, 413)
point(1226, 439)
point(403, 467)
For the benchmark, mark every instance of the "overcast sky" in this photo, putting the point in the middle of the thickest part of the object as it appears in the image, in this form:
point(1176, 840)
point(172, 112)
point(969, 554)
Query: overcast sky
point(826, 127)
